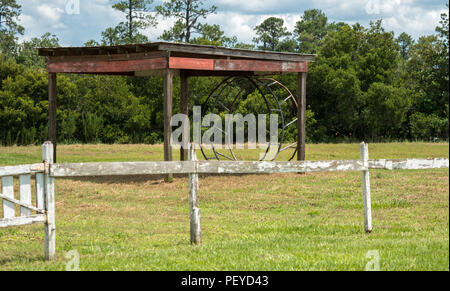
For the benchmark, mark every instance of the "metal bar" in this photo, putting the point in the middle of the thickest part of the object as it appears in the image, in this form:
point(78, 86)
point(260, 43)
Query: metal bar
point(290, 123)
point(288, 147)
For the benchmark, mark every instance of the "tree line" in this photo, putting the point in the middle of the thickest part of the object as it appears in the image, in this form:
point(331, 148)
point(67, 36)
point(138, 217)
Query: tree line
point(366, 84)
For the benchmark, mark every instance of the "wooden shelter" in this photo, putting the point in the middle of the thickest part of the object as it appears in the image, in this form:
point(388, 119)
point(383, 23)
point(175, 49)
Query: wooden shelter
point(170, 59)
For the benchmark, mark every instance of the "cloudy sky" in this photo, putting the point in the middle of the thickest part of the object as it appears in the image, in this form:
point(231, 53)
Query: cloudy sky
point(236, 17)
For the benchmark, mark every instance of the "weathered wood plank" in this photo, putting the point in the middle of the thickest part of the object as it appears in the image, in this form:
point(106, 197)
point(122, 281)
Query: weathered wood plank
point(194, 210)
point(224, 167)
point(260, 66)
point(410, 164)
point(39, 181)
point(25, 194)
point(191, 64)
point(8, 191)
point(168, 107)
point(21, 169)
point(19, 221)
point(184, 109)
point(366, 188)
point(74, 67)
point(52, 122)
point(301, 117)
point(49, 194)
point(118, 169)
point(204, 167)
point(107, 57)
point(23, 204)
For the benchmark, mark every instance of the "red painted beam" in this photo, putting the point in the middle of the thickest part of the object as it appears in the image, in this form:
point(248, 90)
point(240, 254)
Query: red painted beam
point(92, 67)
point(260, 66)
point(191, 64)
point(129, 66)
point(237, 65)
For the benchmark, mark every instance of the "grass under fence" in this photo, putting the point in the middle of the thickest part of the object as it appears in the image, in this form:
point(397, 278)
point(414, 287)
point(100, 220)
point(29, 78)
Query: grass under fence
point(250, 222)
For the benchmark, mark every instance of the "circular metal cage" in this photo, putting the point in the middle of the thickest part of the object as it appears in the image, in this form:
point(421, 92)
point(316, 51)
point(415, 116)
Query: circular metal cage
point(245, 95)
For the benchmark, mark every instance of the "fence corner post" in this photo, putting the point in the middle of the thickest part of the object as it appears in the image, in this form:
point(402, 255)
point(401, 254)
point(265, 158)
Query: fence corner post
point(366, 188)
point(49, 197)
point(194, 210)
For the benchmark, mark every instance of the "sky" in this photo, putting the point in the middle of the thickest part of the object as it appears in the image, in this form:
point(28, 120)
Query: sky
point(75, 22)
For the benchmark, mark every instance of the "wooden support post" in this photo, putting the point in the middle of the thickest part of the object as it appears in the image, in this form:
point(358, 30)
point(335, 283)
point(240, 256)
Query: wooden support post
point(194, 211)
point(301, 117)
point(184, 109)
point(168, 103)
point(52, 92)
point(366, 188)
point(49, 197)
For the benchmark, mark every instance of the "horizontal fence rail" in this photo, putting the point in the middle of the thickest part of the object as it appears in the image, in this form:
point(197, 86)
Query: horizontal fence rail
point(21, 169)
point(46, 172)
point(222, 167)
point(20, 221)
point(410, 164)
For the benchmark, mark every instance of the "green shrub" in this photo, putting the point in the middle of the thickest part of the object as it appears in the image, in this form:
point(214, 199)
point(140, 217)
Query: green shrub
point(428, 127)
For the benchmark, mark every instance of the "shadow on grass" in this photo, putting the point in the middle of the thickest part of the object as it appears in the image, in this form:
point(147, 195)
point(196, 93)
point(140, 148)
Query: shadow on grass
point(23, 258)
point(137, 179)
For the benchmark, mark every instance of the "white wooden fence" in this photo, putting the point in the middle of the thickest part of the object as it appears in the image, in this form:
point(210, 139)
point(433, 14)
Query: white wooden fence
point(46, 172)
point(44, 207)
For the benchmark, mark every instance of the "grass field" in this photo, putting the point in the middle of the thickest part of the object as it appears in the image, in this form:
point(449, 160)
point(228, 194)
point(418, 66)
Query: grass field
point(251, 222)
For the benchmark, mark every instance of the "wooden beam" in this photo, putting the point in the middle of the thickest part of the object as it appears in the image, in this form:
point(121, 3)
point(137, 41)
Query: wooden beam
point(21, 169)
point(225, 167)
point(168, 103)
point(410, 164)
point(19, 221)
point(184, 109)
point(8, 191)
point(194, 210)
point(366, 188)
point(107, 57)
point(260, 66)
point(120, 169)
point(301, 117)
point(191, 64)
point(79, 67)
point(237, 65)
point(22, 204)
point(49, 204)
point(52, 126)
point(200, 167)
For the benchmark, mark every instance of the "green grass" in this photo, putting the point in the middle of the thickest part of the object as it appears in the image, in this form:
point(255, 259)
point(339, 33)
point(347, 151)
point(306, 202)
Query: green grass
point(250, 222)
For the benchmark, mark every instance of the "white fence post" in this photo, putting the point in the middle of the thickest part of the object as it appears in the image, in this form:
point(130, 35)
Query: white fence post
point(194, 211)
point(49, 194)
point(366, 188)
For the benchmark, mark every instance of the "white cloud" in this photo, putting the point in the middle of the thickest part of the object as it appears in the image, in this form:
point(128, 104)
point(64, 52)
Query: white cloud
point(52, 14)
point(236, 17)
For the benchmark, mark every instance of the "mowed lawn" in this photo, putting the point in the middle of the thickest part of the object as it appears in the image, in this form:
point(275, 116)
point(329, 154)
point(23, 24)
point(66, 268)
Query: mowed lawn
point(250, 222)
